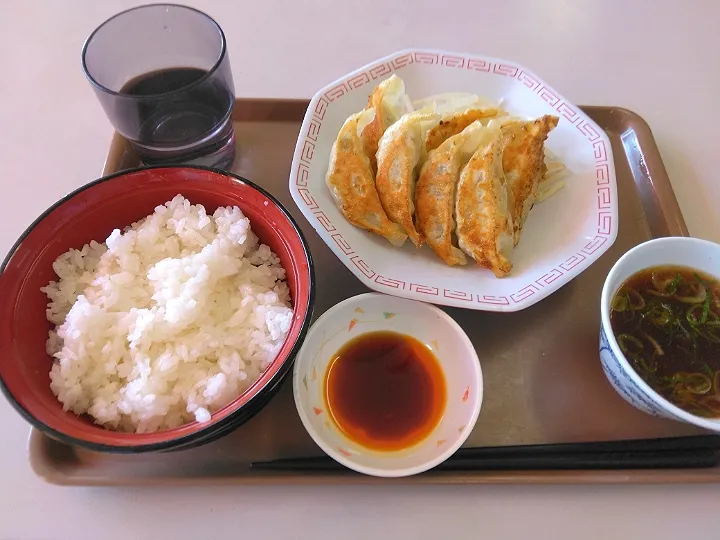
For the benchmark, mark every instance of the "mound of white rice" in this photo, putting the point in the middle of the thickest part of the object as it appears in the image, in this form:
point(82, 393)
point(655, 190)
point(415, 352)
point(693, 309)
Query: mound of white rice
point(167, 321)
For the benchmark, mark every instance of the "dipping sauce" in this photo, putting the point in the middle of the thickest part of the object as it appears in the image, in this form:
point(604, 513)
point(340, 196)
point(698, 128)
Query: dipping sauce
point(385, 390)
point(666, 321)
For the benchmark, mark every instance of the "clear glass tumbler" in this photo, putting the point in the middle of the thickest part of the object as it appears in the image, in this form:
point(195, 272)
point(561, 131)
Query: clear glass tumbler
point(162, 74)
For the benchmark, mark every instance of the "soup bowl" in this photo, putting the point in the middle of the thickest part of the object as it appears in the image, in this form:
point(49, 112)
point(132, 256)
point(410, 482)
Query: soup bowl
point(700, 255)
point(430, 326)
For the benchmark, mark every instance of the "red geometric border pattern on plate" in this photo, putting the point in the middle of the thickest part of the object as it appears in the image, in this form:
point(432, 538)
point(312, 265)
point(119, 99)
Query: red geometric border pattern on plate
point(379, 71)
point(599, 151)
point(325, 221)
point(602, 174)
point(476, 64)
point(505, 69)
point(586, 129)
point(308, 199)
point(424, 289)
point(457, 295)
point(603, 197)
point(453, 61)
point(604, 223)
point(523, 294)
point(320, 108)
point(307, 152)
point(548, 278)
point(358, 81)
point(568, 112)
point(389, 282)
point(494, 300)
point(342, 244)
point(363, 267)
point(402, 61)
point(573, 261)
point(302, 175)
point(528, 80)
point(548, 96)
point(313, 130)
point(426, 58)
point(593, 245)
point(336, 92)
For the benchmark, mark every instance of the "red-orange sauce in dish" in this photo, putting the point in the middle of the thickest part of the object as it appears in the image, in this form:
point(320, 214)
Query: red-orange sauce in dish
point(385, 390)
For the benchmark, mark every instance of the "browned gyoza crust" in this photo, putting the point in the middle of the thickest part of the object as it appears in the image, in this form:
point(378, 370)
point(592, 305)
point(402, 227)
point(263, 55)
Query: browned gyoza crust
point(484, 224)
point(383, 119)
point(454, 124)
point(435, 192)
point(523, 161)
point(374, 130)
point(399, 153)
point(352, 185)
point(435, 202)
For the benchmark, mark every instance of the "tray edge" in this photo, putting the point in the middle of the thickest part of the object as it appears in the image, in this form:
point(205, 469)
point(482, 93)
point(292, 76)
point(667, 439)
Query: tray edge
point(672, 213)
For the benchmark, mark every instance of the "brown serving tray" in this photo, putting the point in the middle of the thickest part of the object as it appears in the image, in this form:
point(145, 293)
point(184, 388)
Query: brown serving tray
point(543, 380)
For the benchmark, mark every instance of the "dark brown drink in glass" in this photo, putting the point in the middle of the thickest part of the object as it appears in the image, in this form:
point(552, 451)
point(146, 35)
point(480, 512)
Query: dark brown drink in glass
point(162, 74)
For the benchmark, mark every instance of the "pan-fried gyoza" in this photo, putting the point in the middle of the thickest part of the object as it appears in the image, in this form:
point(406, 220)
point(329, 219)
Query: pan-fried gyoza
point(454, 170)
point(399, 154)
point(351, 183)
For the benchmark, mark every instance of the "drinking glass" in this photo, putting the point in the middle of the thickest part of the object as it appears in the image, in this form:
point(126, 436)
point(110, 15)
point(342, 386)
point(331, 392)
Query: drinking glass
point(162, 75)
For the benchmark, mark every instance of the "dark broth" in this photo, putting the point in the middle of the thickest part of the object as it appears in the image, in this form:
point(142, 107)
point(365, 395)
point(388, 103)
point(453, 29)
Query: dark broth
point(666, 321)
point(184, 117)
point(385, 391)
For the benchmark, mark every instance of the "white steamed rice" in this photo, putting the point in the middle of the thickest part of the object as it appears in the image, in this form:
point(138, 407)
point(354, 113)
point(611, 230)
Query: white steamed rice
point(167, 321)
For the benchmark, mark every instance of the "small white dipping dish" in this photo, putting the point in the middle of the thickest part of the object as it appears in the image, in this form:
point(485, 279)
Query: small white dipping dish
point(431, 326)
point(672, 251)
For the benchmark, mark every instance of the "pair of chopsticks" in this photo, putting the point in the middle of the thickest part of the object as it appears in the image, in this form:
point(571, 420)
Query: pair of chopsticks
point(668, 453)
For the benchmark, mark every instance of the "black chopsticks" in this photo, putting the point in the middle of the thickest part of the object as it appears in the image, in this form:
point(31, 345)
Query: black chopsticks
point(666, 453)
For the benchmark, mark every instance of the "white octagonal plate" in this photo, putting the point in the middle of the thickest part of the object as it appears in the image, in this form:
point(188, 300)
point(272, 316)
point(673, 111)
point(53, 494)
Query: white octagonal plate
point(562, 236)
